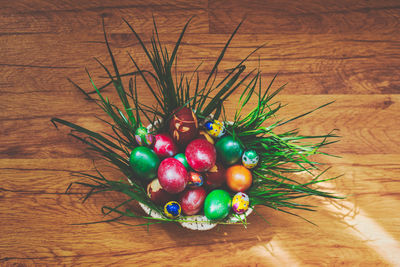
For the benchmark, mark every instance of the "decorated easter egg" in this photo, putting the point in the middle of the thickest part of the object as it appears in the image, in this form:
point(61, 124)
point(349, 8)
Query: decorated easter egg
point(172, 175)
point(172, 209)
point(250, 159)
point(183, 126)
point(182, 158)
point(157, 194)
point(238, 178)
point(143, 137)
point(229, 150)
point(144, 162)
point(200, 155)
point(195, 179)
point(192, 200)
point(217, 204)
point(206, 136)
point(164, 146)
point(215, 128)
point(216, 175)
point(240, 203)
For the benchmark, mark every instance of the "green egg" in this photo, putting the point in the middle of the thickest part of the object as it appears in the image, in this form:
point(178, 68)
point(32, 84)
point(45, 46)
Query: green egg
point(229, 150)
point(182, 158)
point(144, 162)
point(217, 204)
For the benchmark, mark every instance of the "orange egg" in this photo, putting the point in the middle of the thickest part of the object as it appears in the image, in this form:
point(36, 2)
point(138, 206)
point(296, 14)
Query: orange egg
point(238, 178)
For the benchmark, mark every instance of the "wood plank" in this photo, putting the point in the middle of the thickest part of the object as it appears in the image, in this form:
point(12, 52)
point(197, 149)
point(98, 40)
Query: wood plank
point(311, 17)
point(347, 115)
point(323, 64)
point(110, 239)
point(39, 17)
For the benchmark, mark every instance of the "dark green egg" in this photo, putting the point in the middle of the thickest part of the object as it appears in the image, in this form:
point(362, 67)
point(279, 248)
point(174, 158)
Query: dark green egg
point(229, 150)
point(144, 162)
point(217, 204)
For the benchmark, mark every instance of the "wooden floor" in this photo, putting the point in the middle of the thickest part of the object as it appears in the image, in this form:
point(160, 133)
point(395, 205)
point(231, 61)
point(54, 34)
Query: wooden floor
point(348, 51)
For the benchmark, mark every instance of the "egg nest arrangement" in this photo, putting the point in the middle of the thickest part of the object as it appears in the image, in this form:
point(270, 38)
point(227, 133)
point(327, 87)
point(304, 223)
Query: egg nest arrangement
point(183, 159)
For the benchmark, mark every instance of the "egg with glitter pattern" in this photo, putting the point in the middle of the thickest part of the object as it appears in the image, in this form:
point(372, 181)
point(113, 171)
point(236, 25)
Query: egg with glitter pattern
point(143, 137)
point(172, 209)
point(195, 179)
point(250, 159)
point(240, 203)
point(215, 128)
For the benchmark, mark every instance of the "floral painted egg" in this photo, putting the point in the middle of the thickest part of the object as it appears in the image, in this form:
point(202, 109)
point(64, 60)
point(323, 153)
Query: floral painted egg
point(206, 136)
point(164, 146)
point(182, 158)
point(192, 200)
point(200, 155)
point(250, 159)
point(144, 162)
point(143, 137)
point(238, 178)
point(215, 128)
point(217, 204)
point(157, 194)
point(240, 203)
point(183, 126)
point(195, 179)
point(172, 209)
point(172, 175)
point(229, 150)
point(215, 176)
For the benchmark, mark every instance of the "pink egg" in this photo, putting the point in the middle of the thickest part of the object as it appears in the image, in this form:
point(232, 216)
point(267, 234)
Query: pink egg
point(172, 175)
point(201, 155)
point(164, 146)
point(192, 200)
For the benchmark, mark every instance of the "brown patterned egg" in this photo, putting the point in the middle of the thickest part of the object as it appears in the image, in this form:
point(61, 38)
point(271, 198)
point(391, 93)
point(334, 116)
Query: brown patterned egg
point(183, 126)
point(215, 176)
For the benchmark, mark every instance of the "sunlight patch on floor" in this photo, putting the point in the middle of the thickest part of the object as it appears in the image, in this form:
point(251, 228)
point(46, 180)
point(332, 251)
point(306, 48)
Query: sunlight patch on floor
point(367, 229)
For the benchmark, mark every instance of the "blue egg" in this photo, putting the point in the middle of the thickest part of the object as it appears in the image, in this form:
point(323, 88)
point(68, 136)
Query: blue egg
point(172, 209)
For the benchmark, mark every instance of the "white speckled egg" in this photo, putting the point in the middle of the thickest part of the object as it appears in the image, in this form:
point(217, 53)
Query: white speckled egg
point(215, 128)
point(250, 159)
point(240, 203)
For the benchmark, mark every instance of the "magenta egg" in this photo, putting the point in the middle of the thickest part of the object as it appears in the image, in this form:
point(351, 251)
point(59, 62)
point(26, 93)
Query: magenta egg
point(172, 175)
point(192, 200)
point(164, 146)
point(201, 155)
point(157, 194)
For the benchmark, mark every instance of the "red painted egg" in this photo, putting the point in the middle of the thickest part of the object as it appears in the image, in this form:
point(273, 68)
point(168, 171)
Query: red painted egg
point(164, 146)
point(201, 155)
point(206, 136)
point(183, 126)
point(157, 194)
point(192, 200)
point(172, 175)
point(215, 176)
point(238, 178)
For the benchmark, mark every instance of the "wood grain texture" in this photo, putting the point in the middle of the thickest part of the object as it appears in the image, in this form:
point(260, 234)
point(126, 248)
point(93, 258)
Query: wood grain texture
point(348, 51)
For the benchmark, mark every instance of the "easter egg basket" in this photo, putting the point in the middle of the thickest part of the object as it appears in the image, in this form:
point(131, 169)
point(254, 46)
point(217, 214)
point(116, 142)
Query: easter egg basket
point(196, 164)
point(196, 222)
